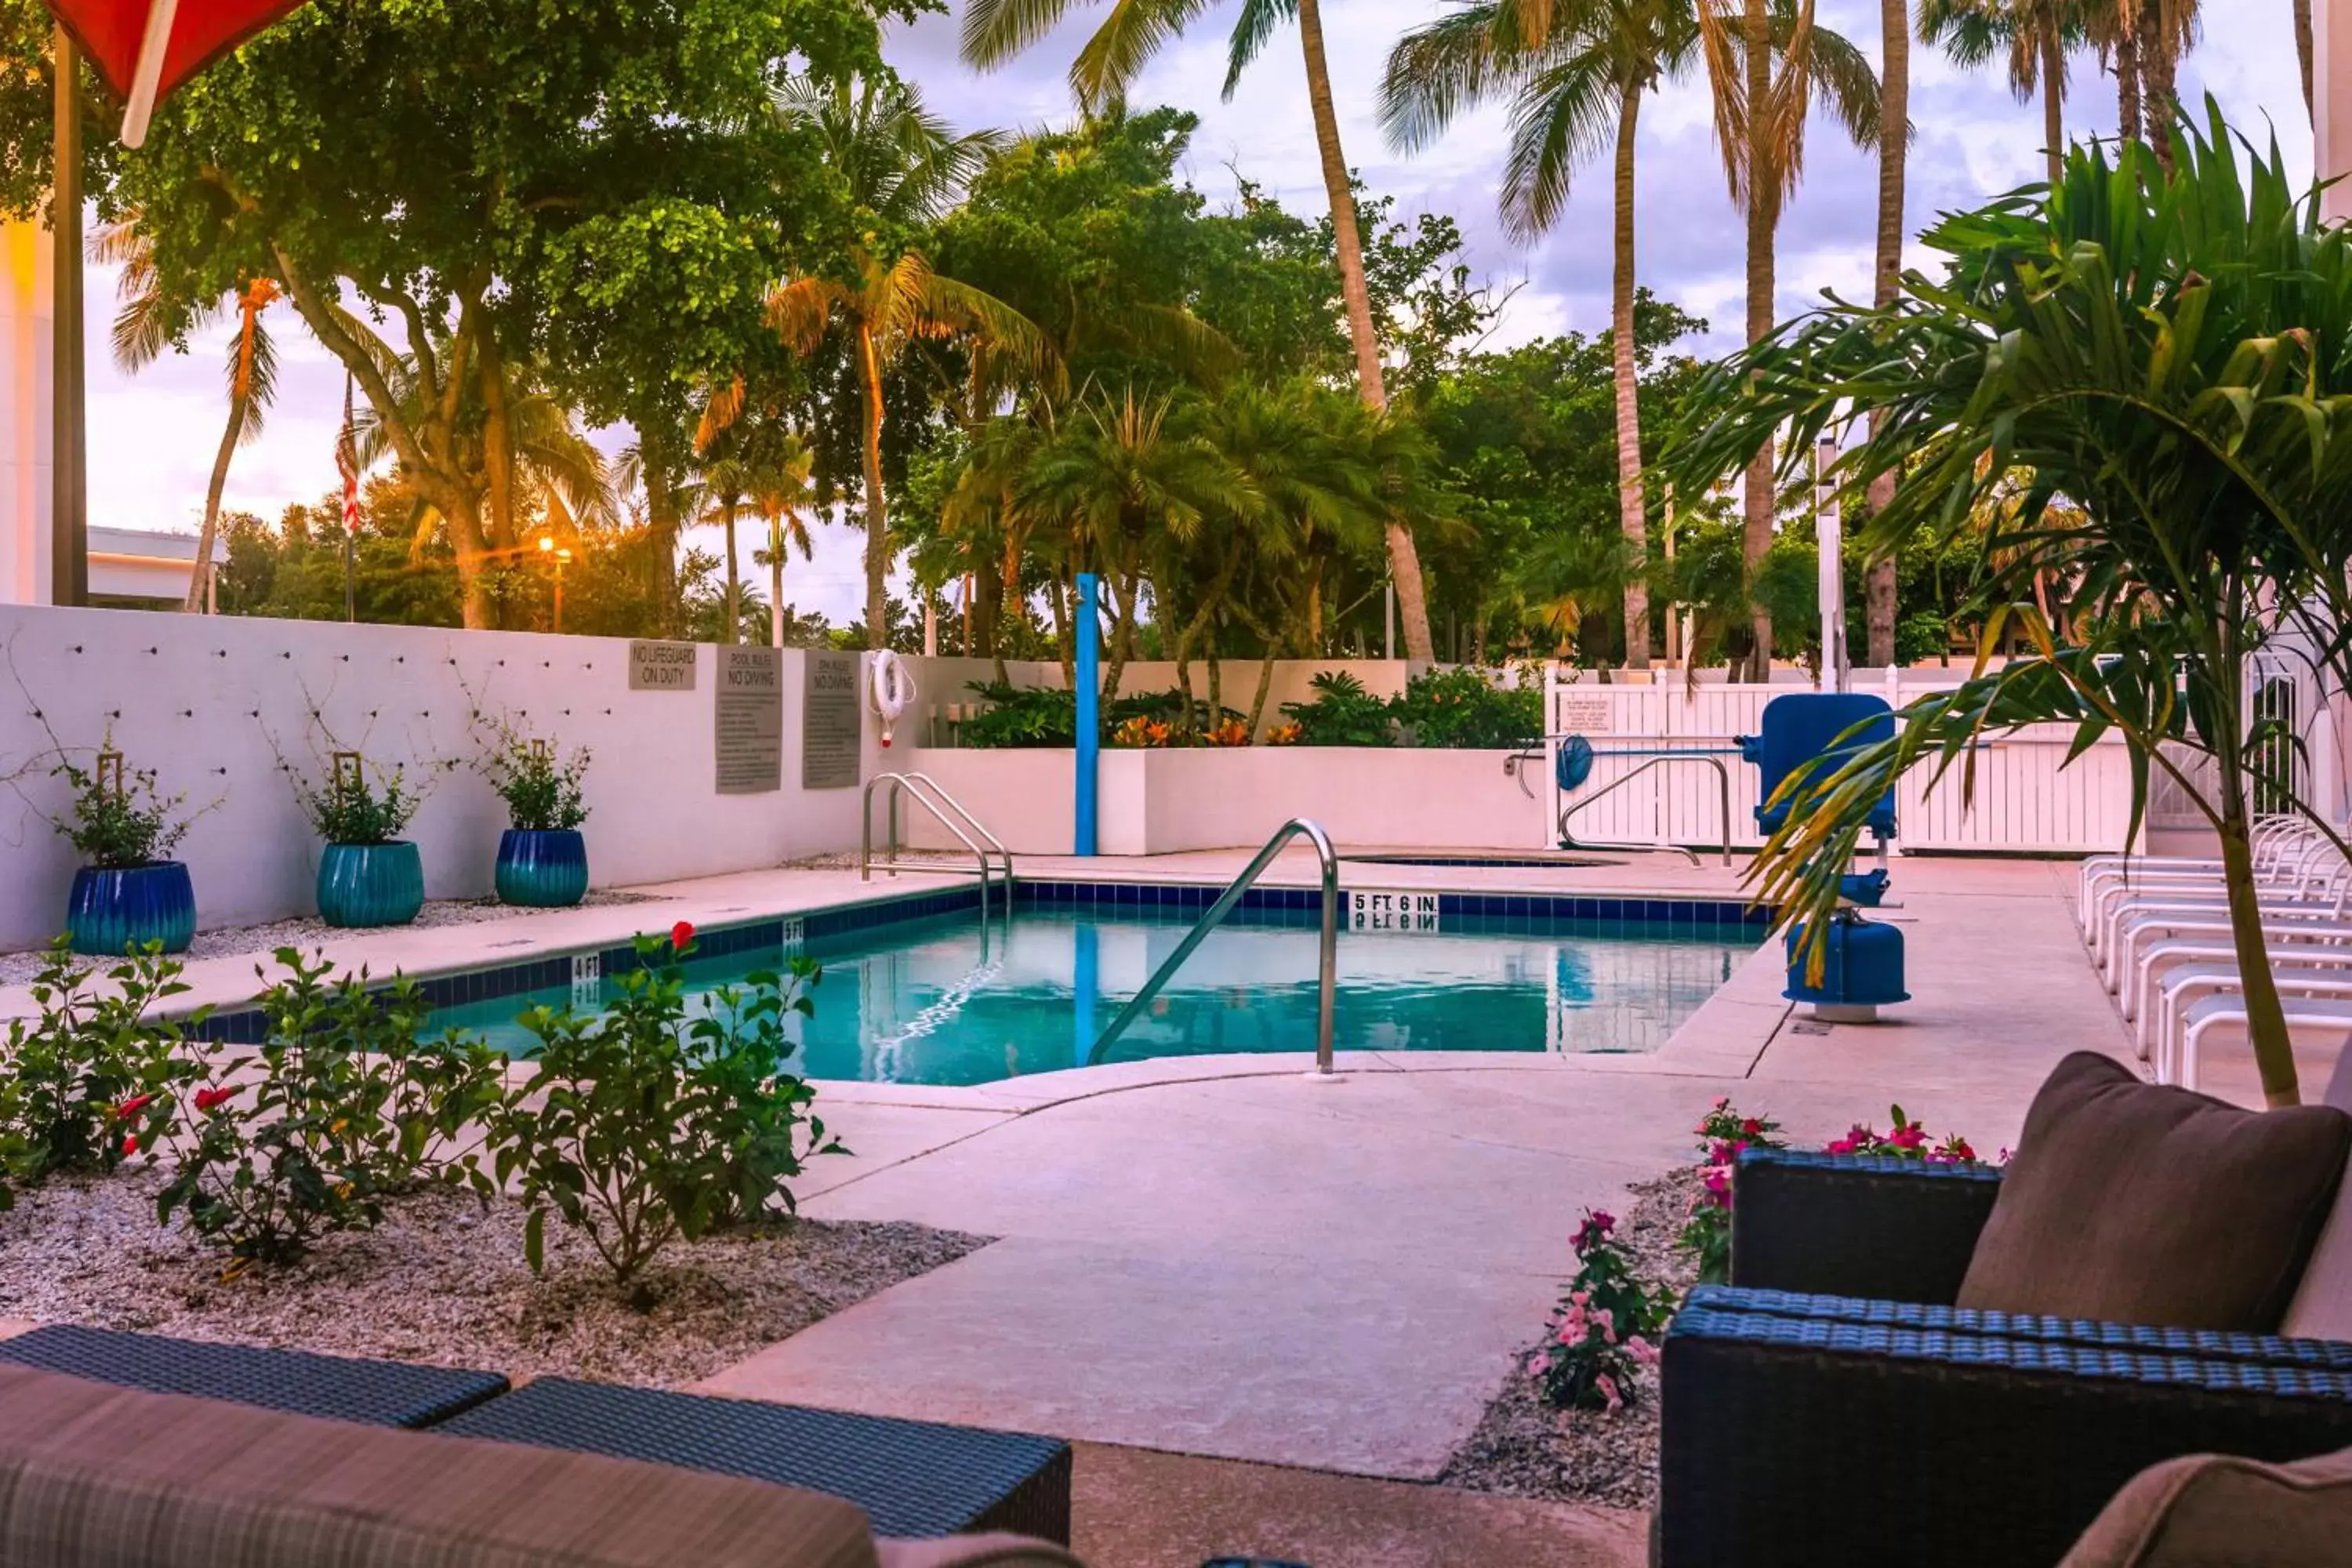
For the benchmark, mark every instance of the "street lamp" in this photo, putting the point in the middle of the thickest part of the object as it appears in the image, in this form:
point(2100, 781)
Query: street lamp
point(562, 558)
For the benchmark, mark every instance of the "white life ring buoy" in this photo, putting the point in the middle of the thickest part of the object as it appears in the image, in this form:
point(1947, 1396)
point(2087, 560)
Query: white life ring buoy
point(889, 689)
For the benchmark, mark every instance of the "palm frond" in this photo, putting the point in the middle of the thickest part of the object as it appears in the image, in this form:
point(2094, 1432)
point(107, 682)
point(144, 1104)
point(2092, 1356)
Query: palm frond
point(1252, 28)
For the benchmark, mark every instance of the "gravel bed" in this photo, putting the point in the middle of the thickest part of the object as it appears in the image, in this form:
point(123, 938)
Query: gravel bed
point(1523, 1448)
point(443, 1282)
point(16, 968)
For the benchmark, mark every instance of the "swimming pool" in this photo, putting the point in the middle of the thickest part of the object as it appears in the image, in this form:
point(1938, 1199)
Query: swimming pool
point(936, 999)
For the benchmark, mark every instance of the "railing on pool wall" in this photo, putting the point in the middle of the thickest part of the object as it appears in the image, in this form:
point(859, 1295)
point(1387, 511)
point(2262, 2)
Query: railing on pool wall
point(1296, 827)
point(951, 815)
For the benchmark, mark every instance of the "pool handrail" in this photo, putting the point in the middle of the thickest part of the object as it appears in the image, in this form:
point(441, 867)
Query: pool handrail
point(1297, 826)
point(911, 783)
point(917, 784)
point(1723, 784)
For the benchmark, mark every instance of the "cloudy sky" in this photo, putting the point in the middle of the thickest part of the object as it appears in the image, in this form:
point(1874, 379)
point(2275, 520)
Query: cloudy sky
point(153, 437)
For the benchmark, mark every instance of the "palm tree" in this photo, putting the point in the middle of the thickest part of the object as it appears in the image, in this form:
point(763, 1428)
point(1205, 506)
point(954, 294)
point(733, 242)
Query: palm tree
point(1121, 475)
point(2036, 35)
point(1575, 91)
point(140, 334)
point(781, 493)
point(2121, 385)
point(550, 467)
point(1762, 66)
point(2145, 40)
point(996, 30)
point(904, 170)
point(1894, 149)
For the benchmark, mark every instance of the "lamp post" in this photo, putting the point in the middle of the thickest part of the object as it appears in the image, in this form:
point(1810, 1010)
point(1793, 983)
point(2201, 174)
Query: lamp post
point(561, 559)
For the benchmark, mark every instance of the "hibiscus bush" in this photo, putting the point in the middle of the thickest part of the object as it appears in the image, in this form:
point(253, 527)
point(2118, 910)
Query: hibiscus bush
point(94, 1077)
point(340, 1106)
point(1604, 1332)
point(644, 1123)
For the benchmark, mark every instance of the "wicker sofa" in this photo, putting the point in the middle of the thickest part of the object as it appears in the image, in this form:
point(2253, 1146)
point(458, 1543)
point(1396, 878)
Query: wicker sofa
point(132, 1451)
point(1831, 1401)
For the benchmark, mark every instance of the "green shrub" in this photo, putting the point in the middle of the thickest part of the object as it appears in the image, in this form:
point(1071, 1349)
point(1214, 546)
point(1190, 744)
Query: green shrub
point(339, 1108)
point(639, 1126)
point(1022, 716)
point(540, 785)
point(121, 818)
point(92, 1079)
point(1461, 707)
point(1341, 713)
point(358, 803)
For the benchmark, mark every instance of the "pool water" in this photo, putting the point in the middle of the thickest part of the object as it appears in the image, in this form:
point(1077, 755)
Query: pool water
point(943, 1001)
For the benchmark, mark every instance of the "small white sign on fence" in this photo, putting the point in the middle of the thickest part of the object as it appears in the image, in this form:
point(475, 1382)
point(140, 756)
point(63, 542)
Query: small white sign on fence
point(1392, 910)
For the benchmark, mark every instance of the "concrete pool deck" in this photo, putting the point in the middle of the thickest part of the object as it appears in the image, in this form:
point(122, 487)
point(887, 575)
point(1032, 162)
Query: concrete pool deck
point(1218, 1257)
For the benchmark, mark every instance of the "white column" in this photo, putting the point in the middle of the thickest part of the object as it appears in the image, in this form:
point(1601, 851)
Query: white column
point(28, 295)
point(2331, 103)
point(1829, 533)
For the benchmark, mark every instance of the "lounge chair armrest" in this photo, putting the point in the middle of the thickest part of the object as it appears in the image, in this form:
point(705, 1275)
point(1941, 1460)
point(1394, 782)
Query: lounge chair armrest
point(1844, 1224)
point(1790, 1438)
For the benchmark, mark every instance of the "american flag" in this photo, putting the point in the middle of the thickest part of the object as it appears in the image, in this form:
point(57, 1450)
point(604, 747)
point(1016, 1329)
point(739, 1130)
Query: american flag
point(347, 463)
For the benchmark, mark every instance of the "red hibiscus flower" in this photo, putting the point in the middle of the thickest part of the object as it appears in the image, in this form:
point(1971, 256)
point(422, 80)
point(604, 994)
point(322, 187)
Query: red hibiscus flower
point(682, 935)
point(132, 1107)
point(211, 1100)
point(130, 1147)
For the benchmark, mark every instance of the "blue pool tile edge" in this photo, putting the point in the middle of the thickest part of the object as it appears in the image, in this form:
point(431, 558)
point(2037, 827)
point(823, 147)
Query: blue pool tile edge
point(248, 1026)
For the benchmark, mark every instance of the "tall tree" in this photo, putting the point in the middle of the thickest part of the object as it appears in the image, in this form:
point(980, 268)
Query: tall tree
point(1763, 63)
point(454, 183)
point(1893, 147)
point(1576, 90)
point(996, 30)
point(903, 170)
point(142, 331)
point(2036, 35)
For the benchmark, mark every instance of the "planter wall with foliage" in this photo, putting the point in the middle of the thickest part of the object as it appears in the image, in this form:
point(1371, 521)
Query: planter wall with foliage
point(188, 687)
point(1164, 802)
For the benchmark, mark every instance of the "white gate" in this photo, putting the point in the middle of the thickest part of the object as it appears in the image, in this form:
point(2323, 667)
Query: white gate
point(2022, 799)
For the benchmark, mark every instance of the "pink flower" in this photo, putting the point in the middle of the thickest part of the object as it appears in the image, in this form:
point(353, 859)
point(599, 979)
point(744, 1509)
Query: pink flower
point(1640, 1350)
point(1607, 1387)
point(1608, 1321)
point(1721, 1100)
point(1910, 1135)
point(1718, 1186)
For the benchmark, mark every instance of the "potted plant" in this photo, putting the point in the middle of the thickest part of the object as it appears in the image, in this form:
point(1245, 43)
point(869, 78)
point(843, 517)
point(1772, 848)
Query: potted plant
point(129, 892)
point(368, 874)
point(542, 860)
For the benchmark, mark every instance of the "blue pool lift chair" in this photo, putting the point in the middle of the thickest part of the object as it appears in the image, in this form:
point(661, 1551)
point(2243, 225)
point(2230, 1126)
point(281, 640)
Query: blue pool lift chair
point(1801, 726)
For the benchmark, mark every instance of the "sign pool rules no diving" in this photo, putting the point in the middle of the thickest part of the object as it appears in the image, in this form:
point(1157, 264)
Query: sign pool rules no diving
point(747, 720)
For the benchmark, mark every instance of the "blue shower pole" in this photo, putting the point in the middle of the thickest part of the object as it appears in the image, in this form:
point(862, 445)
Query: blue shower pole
point(1089, 694)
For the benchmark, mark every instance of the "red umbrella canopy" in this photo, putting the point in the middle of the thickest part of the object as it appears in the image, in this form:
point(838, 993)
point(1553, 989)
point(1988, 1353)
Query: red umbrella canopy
point(144, 49)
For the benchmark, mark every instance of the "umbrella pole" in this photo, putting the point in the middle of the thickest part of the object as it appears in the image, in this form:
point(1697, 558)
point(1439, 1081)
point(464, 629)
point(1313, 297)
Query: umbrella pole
point(68, 478)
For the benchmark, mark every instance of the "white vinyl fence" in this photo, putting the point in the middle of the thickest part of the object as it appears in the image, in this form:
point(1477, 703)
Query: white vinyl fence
point(2023, 800)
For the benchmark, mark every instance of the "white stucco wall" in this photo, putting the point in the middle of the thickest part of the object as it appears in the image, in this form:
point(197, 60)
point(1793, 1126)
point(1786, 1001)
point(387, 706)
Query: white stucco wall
point(200, 698)
point(1164, 802)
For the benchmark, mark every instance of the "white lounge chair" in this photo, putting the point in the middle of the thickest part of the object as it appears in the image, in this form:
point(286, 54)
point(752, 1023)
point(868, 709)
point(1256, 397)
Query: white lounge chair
point(2216, 1011)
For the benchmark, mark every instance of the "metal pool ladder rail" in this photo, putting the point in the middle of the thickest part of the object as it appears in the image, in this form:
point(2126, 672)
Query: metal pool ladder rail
point(1296, 827)
point(950, 815)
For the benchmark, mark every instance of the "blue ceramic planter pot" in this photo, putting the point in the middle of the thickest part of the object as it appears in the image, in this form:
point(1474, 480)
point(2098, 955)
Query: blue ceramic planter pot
point(371, 884)
point(545, 869)
point(111, 911)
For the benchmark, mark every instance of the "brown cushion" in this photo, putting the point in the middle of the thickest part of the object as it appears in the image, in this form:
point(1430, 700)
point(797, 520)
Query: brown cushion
point(97, 1477)
point(2212, 1511)
point(2133, 1203)
point(2322, 1307)
point(975, 1551)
